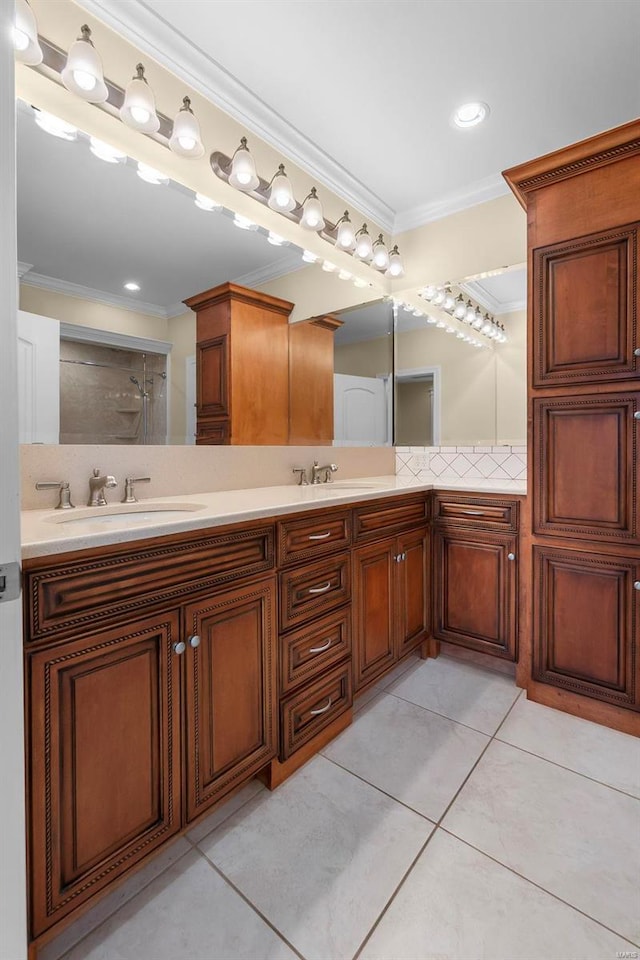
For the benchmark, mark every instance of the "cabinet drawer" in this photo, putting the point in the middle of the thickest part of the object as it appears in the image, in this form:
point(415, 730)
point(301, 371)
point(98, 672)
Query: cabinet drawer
point(79, 593)
point(314, 589)
point(315, 706)
point(385, 517)
point(310, 537)
point(476, 511)
point(308, 651)
point(212, 431)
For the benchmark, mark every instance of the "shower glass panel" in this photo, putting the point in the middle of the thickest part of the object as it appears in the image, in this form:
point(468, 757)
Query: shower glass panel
point(109, 395)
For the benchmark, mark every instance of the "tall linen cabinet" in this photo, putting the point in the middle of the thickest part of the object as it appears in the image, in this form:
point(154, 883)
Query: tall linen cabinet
point(583, 220)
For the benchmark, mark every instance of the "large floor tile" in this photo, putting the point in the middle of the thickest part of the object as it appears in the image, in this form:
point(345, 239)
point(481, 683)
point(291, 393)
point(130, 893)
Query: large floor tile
point(457, 904)
point(319, 857)
point(412, 754)
point(225, 810)
point(576, 838)
point(460, 691)
point(589, 748)
point(189, 913)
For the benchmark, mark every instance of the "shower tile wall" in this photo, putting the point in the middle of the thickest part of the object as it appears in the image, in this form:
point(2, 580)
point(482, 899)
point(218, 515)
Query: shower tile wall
point(99, 403)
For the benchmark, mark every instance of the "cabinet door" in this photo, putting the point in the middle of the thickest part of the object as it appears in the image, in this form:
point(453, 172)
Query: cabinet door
point(231, 707)
point(475, 590)
point(104, 760)
point(586, 467)
point(373, 610)
point(585, 327)
point(586, 624)
point(412, 590)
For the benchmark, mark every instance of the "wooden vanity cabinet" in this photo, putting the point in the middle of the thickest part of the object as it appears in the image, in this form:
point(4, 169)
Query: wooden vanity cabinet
point(475, 584)
point(583, 214)
point(139, 724)
point(391, 584)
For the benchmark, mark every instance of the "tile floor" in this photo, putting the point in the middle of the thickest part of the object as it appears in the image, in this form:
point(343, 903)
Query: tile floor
point(453, 819)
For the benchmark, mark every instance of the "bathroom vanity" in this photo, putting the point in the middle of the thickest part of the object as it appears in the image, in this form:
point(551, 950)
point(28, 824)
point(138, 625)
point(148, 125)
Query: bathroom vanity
point(170, 661)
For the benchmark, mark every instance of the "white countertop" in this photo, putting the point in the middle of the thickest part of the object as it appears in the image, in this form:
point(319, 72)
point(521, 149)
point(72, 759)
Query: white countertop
point(50, 532)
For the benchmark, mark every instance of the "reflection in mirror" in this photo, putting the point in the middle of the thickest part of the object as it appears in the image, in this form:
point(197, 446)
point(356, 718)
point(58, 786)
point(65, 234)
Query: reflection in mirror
point(448, 390)
point(363, 379)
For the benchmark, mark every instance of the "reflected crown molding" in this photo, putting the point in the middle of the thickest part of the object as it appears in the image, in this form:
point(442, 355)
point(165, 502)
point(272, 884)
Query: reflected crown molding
point(108, 338)
point(145, 28)
point(256, 278)
point(481, 295)
point(89, 293)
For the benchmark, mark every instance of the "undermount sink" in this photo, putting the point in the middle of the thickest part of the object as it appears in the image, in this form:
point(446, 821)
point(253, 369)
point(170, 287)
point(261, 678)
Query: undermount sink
point(125, 513)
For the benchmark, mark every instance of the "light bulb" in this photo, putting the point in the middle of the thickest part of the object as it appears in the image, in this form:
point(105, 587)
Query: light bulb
point(345, 236)
point(429, 292)
point(187, 143)
point(449, 303)
point(86, 81)
point(364, 244)
point(380, 254)
point(438, 300)
point(185, 136)
point(312, 217)
point(20, 39)
point(243, 174)
point(139, 109)
point(140, 115)
point(460, 309)
point(470, 313)
point(82, 73)
point(478, 323)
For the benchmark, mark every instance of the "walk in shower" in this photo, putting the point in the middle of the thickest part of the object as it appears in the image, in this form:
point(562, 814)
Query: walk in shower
point(111, 395)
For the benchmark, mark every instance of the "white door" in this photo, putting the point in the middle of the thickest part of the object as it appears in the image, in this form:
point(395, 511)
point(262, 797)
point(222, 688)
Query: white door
point(38, 378)
point(360, 411)
point(13, 883)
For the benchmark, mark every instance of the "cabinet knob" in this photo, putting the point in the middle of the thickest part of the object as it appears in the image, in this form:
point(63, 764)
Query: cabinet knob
point(194, 641)
point(511, 556)
point(179, 647)
point(636, 415)
point(636, 585)
point(636, 352)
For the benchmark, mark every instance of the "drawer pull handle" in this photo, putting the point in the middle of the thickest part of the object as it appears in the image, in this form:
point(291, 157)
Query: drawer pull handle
point(472, 513)
point(319, 536)
point(321, 649)
point(323, 589)
point(316, 713)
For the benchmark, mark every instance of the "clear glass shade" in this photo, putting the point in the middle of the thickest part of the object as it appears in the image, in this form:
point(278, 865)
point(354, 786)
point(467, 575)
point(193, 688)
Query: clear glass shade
point(281, 196)
point(26, 47)
point(139, 108)
point(185, 138)
point(243, 174)
point(312, 216)
point(82, 73)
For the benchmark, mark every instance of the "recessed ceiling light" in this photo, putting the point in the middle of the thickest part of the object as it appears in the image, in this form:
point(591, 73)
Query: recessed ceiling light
point(470, 114)
point(132, 285)
point(276, 240)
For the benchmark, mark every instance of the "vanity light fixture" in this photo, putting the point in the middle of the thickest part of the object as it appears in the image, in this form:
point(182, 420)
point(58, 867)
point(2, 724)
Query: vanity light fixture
point(243, 223)
point(470, 114)
point(243, 174)
point(328, 267)
point(104, 151)
point(345, 234)
point(281, 196)
point(185, 139)
point(276, 240)
point(151, 175)
point(438, 299)
point(460, 308)
point(380, 258)
point(132, 285)
point(26, 46)
point(345, 275)
point(312, 216)
point(470, 313)
point(364, 244)
point(206, 203)
point(139, 109)
point(83, 73)
point(360, 283)
point(478, 323)
point(429, 292)
point(54, 125)
point(309, 257)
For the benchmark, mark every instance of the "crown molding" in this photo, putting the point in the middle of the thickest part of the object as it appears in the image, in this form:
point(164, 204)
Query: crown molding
point(108, 338)
point(479, 192)
point(145, 28)
point(255, 278)
point(23, 268)
point(88, 293)
point(474, 288)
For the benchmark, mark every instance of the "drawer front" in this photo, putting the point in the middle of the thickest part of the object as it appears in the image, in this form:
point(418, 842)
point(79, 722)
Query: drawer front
point(212, 431)
point(310, 537)
point(312, 709)
point(310, 650)
point(476, 512)
point(385, 517)
point(76, 594)
point(310, 591)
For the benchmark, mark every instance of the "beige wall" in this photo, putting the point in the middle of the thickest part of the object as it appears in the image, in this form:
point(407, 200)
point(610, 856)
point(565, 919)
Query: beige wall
point(511, 380)
point(371, 358)
point(413, 414)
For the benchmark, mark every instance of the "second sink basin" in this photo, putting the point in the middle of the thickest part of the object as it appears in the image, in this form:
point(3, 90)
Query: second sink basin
point(125, 513)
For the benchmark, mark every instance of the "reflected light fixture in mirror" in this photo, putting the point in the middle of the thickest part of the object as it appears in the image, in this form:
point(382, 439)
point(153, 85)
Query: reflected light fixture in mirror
point(54, 125)
point(312, 216)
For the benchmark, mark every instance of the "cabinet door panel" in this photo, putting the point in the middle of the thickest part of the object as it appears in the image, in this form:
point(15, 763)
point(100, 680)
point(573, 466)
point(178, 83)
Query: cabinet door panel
point(584, 321)
point(586, 457)
point(475, 591)
point(586, 624)
point(412, 594)
point(231, 698)
point(105, 766)
point(212, 379)
point(374, 620)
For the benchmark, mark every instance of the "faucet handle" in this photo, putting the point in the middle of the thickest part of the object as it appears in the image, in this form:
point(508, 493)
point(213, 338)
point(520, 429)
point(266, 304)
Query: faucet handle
point(64, 503)
point(129, 495)
point(302, 481)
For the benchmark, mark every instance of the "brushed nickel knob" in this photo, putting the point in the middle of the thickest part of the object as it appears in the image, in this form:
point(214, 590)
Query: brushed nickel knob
point(511, 556)
point(636, 585)
point(179, 647)
point(194, 641)
point(636, 415)
point(636, 352)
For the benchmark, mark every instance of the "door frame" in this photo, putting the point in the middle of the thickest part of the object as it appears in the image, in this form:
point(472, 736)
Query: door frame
point(415, 373)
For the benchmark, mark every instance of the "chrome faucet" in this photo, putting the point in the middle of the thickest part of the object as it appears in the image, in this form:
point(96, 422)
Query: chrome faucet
point(327, 469)
point(97, 484)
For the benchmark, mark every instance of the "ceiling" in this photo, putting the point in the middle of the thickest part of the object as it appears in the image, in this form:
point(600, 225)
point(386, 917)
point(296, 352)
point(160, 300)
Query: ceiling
point(361, 93)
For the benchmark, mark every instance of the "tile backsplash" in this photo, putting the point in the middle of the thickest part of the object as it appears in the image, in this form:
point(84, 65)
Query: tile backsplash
point(430, 464)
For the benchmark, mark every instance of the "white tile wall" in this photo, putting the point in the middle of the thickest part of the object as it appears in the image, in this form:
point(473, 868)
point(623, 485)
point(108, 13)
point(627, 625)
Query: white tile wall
point(429, 464)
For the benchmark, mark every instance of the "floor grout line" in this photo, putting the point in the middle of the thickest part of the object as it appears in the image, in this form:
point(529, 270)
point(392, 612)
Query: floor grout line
point(445, 717)
point(539, 886)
